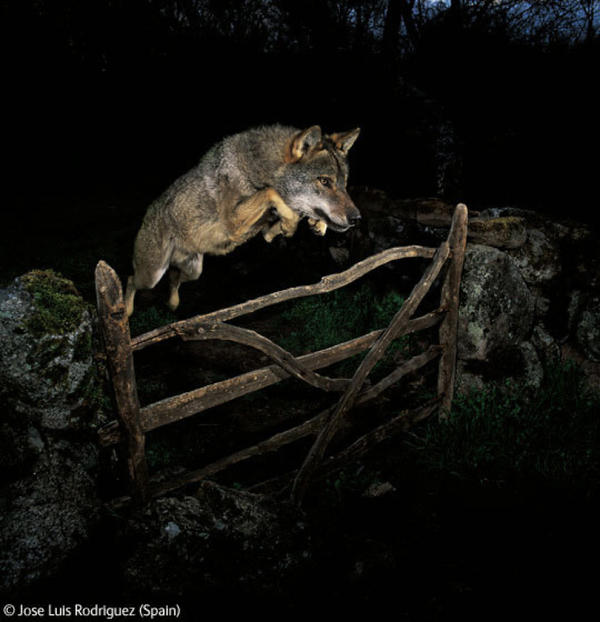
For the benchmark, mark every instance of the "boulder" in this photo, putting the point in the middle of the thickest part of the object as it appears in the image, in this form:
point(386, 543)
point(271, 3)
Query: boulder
point(496, 306)
point(538, 259)
point(47, 452)
point(501, 232)
point(519, 363)
point(585, 322)
point(528, 278)
point(46, 366)
point(221, 541)
point(49, 511)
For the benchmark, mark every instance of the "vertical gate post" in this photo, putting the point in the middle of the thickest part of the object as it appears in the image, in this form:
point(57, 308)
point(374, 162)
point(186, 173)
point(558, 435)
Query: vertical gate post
point(114, 328)
point(448, 332)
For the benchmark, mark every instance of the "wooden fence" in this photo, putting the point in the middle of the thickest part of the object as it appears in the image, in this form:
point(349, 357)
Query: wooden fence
point(134, 422)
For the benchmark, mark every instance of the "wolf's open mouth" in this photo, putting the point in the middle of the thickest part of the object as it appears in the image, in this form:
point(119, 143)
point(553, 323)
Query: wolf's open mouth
point(336, 226)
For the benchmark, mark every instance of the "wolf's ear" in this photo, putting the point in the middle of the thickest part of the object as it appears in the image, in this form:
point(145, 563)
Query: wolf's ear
point(303, 142)
point(343, 141)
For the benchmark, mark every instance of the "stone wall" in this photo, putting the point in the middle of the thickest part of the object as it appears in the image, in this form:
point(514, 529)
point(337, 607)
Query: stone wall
point(530, 291)
point(530, 296)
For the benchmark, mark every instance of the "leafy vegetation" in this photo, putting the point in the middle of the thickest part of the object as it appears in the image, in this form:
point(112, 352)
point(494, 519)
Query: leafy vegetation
point(499, 434)
point(144, 320)
point(322, 321)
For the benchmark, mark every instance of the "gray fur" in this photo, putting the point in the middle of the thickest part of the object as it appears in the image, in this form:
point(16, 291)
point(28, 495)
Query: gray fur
point(263, 180)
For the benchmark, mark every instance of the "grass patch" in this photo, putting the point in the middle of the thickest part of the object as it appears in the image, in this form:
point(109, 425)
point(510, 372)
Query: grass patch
point(500, 435)
point(319, 322)
point(323, 321)
point(145, 320)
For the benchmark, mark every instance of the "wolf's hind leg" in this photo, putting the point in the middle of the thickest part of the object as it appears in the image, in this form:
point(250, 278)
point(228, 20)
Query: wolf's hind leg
point(151, 258)
point(141, 279)
point(129, 296)
point(188, 270)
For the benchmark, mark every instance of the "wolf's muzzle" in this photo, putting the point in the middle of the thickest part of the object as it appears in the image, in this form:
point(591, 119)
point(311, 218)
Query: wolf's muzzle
point(354, 219)
point(352, 215)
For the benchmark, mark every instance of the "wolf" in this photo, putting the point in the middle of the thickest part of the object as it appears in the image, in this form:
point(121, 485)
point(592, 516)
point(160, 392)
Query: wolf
point(263, 180)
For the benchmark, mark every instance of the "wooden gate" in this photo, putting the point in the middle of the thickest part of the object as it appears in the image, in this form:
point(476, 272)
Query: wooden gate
point(134, 422)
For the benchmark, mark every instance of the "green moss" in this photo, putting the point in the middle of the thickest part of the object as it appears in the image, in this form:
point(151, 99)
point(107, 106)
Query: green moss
point(57, 304)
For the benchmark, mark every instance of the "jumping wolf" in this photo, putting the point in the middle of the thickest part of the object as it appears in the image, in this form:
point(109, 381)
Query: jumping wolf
point(263, 180)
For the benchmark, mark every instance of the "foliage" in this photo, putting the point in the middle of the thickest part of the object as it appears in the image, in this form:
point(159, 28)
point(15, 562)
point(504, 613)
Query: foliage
point(319, 322)
point(350, 482)
point(161, 454)
point(499, 434)
point(144, 320)
point(322, 321)
point(154, 31)
point(58, 306)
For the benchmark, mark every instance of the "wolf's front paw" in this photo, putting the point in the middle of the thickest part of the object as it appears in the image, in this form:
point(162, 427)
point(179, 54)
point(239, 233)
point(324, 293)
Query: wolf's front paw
point(318, 227)
point(271, 232)
point(289, 224)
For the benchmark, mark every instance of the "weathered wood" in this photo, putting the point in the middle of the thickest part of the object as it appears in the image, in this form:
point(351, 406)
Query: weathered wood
point(365, 443)
point(134, 422)
point(114, 329)
point(416, 362)
point(282, 357)
point(448, 331)
point(276, 442)
point(185, 405)
point(358, 449)
point(396, 326)
point(326, 285)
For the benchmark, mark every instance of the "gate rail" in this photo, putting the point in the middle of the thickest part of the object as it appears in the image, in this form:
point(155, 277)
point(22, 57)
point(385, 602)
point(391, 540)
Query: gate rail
point(133, 422)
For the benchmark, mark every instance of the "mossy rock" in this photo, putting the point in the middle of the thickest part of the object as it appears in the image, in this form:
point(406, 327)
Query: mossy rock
point(57, 305)
point(496, 305)
point(46, 366)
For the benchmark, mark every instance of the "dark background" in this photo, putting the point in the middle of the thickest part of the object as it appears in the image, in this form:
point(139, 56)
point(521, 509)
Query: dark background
point(105, 102)
point(107, 99)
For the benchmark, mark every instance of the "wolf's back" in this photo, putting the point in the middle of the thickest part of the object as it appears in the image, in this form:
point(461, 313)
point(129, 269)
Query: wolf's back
point(190, 196)
point(246, 161)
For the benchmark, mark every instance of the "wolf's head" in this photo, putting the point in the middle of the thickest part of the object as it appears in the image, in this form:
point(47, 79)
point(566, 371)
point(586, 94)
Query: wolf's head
point(312, 181)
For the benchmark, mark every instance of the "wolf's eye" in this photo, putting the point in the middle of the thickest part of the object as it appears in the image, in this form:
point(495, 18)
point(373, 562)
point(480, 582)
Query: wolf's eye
point(325, 181)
